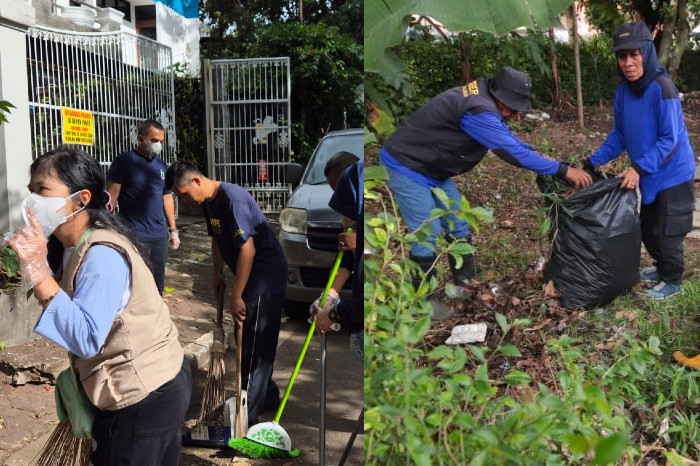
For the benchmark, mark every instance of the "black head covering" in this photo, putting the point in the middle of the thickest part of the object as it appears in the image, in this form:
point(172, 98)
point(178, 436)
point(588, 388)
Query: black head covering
point(636, 36)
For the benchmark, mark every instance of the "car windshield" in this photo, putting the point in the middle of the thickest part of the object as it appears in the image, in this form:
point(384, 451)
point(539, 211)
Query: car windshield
point(353, 143)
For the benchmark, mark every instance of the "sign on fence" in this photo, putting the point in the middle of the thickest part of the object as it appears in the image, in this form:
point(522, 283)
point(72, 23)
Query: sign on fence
point(77, 127)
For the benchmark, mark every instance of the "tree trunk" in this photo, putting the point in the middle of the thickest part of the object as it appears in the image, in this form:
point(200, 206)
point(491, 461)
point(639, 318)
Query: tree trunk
point(464, 49)
point(556, 87)
point(670, 23)
point(682, 37)
point(577, 68)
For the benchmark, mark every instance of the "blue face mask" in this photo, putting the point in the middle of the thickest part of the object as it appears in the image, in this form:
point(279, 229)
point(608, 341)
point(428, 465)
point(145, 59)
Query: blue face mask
point(49, 211)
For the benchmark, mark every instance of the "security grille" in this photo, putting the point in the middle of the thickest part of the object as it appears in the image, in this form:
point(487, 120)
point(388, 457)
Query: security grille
point(122, 79)
point(248, 122)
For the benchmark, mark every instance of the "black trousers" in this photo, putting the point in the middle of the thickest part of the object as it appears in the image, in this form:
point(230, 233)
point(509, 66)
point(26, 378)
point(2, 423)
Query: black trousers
point(148, 432)
point(261, 330)
point(665, 222)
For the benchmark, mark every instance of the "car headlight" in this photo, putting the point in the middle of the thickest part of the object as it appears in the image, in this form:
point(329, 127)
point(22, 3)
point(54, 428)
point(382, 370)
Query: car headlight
point(293, 220)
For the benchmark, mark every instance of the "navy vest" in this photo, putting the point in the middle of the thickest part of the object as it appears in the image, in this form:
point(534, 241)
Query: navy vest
point(431, 140)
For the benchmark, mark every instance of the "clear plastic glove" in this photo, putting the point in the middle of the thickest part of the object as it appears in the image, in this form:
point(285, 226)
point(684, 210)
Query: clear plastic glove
point(332, 300)
point(174, 240)
point(30, 244)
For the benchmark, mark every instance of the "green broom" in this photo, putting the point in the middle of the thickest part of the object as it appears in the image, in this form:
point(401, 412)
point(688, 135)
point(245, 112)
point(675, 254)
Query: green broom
point(269, 439)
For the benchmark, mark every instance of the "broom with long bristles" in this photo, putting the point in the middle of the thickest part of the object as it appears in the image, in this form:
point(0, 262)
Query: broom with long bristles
point(215, 390)
point(63, 448)
point(69, 444)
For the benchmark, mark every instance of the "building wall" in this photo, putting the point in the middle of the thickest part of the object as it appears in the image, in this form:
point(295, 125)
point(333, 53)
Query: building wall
point(50, 16)
point(15, 135)
point(181, 34)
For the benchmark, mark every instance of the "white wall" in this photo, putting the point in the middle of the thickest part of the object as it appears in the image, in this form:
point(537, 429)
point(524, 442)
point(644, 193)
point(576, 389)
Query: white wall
point(15, 136)
point(180, 33)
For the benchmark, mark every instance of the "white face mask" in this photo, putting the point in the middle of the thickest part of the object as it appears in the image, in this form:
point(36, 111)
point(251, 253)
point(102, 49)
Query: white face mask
point(154, 148)
point(49, 211)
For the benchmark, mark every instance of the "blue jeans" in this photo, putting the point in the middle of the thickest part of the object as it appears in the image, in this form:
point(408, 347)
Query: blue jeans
point(157, 257)
point(415, 203)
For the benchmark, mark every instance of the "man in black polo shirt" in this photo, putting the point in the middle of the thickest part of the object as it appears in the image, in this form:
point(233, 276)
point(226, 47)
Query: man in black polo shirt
point(243, 240)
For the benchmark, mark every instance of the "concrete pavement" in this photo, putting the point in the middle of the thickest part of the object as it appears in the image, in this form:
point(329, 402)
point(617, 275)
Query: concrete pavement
point(27, 408)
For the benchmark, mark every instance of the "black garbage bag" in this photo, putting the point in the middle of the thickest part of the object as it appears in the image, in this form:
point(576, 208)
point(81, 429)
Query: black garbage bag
point(597, 242)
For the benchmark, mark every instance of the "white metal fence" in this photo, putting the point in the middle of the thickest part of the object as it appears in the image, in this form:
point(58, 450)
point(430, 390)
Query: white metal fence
point(122, 79)
point(248, 126)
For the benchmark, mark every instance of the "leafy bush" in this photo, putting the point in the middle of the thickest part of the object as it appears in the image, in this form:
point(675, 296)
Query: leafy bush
point(189, 118)
point(435, 65)
point(9, 267)
point(605, 394)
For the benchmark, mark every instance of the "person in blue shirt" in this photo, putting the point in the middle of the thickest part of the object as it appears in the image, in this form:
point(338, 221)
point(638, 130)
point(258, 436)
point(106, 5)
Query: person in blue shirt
point(649, 126)
point(243, 240)
point(347, 200)
point(101, 303)
point(136, 182)
point(448, 136)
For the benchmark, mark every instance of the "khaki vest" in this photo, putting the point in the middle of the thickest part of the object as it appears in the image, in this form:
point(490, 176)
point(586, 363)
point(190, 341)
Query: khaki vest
point(142, 351)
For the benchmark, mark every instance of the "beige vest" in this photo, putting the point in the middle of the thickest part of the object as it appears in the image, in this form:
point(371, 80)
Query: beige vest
point(142, 351)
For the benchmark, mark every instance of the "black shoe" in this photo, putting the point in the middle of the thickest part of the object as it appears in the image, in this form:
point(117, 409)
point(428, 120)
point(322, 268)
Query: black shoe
point(426, 265)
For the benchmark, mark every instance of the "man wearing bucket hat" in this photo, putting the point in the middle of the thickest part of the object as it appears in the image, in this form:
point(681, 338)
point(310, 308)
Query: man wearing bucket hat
point(649, 126)
point(448, 136)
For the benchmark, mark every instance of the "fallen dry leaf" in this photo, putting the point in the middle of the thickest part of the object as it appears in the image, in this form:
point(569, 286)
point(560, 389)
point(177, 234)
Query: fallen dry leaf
point(629, 315)
point(550, 291)
point(539, 326)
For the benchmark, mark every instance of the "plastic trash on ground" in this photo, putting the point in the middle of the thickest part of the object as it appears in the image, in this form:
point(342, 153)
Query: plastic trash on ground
point(469, 333)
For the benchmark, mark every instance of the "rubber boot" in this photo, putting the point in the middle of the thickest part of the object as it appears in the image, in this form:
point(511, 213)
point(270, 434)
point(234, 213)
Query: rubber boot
point(440, 311)
point(466, 271)
point(425, 263)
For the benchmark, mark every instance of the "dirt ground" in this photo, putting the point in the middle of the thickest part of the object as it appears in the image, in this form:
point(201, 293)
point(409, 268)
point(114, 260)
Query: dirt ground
point(508, 249)
point(515, 199)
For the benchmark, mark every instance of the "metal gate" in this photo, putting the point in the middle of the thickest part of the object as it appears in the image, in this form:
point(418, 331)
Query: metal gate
point(248, 126)
point(121, 78)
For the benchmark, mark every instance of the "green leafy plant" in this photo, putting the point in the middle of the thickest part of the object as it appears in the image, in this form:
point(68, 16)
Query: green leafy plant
point(440, 405)
point(5, 107)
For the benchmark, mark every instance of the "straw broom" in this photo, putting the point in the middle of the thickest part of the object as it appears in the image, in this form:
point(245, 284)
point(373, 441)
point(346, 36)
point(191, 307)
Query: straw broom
point(63, 448)
point(215, 390)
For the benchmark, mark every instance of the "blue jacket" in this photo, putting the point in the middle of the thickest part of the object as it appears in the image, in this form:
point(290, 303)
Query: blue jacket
point(348, 200)
point(451, 133)
point(649, 126)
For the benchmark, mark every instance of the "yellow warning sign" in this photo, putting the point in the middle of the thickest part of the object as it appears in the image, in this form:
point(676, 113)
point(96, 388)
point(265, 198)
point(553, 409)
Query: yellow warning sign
point(78, 127)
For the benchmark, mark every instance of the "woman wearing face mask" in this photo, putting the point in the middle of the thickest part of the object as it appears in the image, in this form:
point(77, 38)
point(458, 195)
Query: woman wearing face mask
point(649, 126)
point(101, 303)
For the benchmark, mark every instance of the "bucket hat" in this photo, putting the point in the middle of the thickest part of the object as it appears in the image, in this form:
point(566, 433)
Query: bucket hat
point(512, 87)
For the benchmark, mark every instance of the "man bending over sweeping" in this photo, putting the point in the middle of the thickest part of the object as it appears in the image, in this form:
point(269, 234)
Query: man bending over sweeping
point(242, 239)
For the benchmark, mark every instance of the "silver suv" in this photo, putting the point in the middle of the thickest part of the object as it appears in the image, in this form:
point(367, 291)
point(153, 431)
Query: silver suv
point(309, 228)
